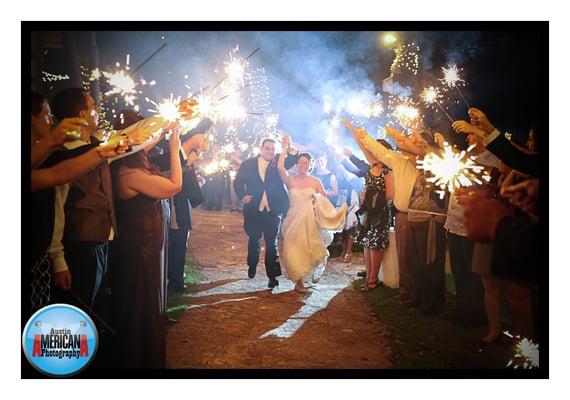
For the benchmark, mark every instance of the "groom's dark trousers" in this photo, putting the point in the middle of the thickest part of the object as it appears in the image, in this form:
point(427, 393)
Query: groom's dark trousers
point(267, 224)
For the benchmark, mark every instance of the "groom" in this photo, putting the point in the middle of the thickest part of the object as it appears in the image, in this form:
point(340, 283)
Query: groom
point(265, 200)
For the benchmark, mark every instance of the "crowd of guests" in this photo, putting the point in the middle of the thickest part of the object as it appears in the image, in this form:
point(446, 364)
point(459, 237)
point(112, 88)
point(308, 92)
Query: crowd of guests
point(491, 229)
point(110, 232)
point(105, 223)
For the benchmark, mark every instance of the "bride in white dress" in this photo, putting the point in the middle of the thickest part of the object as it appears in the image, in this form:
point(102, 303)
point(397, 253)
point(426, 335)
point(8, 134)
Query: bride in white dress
point(308, 228)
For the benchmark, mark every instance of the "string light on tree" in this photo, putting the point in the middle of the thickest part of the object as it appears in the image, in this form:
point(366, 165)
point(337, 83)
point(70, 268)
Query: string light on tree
point(406, 59)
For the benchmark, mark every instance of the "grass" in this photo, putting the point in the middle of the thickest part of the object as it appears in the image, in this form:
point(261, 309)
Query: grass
point(433, 342)
point(177, 303)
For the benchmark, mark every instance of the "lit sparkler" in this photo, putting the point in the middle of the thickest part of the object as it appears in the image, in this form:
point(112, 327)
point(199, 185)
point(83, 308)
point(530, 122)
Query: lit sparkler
point(168, 109)
point(452, 78)
point(431, 95)
point(452, 170)
point(235, 68)
point(526, 354)
point(122, 84)
point(406, 114)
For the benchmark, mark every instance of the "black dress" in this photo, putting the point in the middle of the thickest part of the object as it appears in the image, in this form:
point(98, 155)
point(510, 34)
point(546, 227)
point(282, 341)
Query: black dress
point(138, 283)
point(374, 215)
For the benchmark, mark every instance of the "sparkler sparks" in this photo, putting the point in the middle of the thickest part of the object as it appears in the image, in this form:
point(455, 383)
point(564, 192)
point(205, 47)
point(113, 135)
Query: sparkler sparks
point(406, 114)
point(431, 95)
point(452, 78)
point(526, 354)
point(452, 170)
point(122, 84)
point(168, 108)
point(235, 68)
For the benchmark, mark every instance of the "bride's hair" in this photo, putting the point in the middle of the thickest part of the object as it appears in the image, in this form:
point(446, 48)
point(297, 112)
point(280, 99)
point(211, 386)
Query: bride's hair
point(309, 158)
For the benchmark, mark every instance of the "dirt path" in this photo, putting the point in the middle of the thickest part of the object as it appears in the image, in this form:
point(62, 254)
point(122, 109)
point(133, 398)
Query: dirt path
point(237, 322)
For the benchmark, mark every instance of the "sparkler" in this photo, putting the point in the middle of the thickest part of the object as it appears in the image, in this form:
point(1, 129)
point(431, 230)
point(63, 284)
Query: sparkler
point(452, 170)
point(406, 114)
point(168, 109)
point(235, 68)
point(431, 95)
point(122, 84)
point(452, 78)
point(526, 354)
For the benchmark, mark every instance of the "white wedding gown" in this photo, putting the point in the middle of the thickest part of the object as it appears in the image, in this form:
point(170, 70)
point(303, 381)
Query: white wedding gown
point(307, 231)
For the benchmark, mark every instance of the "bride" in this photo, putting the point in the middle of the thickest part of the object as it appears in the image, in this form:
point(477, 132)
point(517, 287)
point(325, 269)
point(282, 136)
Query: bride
point(308, 228)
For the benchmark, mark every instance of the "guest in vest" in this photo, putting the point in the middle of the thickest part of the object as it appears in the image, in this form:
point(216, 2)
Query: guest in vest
point(89, 211)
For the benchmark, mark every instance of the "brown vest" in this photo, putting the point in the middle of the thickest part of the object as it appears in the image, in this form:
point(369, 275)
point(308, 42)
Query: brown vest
point(89, 210)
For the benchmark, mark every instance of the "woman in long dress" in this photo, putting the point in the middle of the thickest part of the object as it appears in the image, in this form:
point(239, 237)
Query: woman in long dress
point(308, 228)
point(138, 276)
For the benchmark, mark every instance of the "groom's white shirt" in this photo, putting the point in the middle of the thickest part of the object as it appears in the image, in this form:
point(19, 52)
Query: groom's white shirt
point(262, 168)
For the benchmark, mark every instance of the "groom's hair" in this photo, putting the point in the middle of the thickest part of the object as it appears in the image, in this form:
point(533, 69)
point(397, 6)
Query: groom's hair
point(267, 140)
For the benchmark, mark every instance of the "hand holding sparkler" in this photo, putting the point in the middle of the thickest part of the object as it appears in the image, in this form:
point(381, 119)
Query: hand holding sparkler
point(286, 141)
point(439, 139)
point(347, 152)
point(68, 129)
point(480, 120)
point(394, 133)
point(466, 127)
point(114, 147)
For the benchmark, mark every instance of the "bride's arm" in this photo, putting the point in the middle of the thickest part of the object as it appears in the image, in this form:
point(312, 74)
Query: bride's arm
point(320, 189)
point(281, 165)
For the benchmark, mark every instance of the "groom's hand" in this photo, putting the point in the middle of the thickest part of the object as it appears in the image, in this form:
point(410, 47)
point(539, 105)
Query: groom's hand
point(246, 199)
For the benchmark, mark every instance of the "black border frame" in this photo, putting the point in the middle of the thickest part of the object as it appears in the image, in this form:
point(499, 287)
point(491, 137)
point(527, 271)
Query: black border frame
point(541, 27)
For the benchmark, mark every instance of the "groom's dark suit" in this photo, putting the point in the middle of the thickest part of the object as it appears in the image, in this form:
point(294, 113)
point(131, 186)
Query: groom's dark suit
point(256, 222)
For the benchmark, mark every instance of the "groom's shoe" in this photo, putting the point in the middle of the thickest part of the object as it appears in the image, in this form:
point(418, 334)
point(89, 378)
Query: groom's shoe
point(273, 282)
point(251, 271)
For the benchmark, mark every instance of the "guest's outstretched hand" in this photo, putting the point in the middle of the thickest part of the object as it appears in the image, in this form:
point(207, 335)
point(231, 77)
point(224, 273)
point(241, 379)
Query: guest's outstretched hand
point(467, 128)
point(68, 129)
point(394, 133)
point(480, 120)
point(347, 152)
point(114, 147)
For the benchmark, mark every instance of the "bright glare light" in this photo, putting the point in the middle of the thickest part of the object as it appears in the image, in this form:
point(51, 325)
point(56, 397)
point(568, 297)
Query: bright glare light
point(389, 38)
